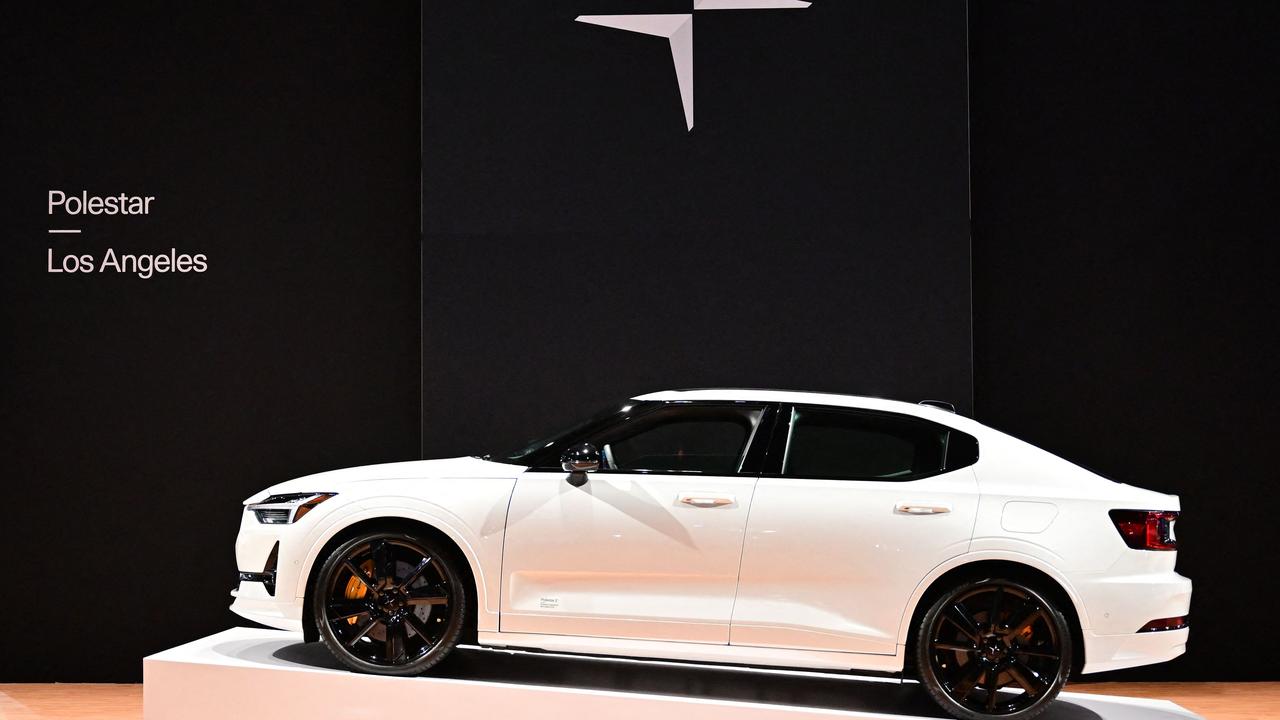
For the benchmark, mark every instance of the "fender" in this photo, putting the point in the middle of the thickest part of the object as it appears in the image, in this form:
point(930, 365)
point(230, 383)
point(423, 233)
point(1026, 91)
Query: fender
point(904, 624)
point(483, 553)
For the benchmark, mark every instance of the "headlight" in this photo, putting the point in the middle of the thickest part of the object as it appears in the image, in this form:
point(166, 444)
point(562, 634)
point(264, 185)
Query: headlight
point(285, 509)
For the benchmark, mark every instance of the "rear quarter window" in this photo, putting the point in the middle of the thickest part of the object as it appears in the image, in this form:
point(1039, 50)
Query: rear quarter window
point(849, 444)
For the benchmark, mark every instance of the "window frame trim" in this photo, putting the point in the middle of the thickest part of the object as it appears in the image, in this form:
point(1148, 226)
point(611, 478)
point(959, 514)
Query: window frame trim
point(780, 440)
point(749, 463)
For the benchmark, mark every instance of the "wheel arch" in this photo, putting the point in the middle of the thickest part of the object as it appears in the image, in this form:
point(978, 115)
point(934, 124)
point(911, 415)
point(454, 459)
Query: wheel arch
point(1026, 569)
point(393, 523)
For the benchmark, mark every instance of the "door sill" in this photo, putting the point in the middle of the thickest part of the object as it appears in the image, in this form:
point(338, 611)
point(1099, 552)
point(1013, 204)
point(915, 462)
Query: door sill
point(779, 659)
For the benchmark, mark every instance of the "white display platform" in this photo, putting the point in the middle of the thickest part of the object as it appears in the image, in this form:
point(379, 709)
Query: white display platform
point(246, 673)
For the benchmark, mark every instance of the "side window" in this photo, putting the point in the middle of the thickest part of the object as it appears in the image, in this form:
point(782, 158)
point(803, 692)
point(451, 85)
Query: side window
point(863, 445)
point(708, 439)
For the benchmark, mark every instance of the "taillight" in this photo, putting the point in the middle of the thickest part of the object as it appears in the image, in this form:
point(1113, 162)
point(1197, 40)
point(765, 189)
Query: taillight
point(1146, 529)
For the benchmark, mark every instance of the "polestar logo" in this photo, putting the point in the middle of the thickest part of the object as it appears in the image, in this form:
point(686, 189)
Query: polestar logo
point(677, 28)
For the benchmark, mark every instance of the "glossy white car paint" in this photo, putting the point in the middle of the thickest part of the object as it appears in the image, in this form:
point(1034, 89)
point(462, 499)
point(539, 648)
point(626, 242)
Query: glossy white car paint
point(771, 571)
point(830, 564)
point(623, 556)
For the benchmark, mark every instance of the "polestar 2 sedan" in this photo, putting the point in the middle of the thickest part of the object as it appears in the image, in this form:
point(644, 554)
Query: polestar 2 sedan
point(745, 527)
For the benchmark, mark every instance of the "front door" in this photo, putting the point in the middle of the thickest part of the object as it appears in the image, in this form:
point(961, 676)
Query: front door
point(855, 507)
point(648, 546)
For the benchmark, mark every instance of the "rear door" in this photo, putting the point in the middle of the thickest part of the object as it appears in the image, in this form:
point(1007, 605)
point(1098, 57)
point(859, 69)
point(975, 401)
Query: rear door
point(855, 507)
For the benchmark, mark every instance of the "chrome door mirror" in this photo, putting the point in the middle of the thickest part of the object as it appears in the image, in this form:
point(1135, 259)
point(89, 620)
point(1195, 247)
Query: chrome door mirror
point(581, 458)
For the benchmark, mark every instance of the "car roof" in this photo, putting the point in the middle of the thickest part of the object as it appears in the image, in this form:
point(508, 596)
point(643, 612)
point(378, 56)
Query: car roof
point(808, 398)
point(1017, 454)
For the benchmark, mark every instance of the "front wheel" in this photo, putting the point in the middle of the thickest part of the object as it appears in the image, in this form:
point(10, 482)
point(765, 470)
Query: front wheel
point(389, 603)
point(993, 648)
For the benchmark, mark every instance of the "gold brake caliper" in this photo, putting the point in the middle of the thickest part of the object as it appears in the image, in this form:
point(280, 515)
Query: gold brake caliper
point(356, 590)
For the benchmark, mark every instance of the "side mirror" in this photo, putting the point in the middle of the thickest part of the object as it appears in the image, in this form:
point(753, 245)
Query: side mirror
point(581, 458)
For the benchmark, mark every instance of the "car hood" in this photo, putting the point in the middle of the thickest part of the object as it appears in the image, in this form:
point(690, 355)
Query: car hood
point(426, 470)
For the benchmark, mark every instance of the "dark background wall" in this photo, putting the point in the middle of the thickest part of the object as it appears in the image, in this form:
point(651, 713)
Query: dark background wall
point(279, 140)
point(1125, 178)
point(582, 247)
point(1123, 181)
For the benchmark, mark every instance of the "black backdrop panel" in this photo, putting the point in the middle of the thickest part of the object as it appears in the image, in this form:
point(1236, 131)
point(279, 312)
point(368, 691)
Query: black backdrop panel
point(139, 413)
point(1125, 257)
point(581, 246)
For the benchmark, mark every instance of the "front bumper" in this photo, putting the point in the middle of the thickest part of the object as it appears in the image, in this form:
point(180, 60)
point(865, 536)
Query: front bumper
point(253, 602)
point(268, 574)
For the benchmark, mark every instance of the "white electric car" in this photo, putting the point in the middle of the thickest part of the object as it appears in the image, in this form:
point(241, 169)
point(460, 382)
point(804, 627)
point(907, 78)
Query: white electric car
point(753, 527)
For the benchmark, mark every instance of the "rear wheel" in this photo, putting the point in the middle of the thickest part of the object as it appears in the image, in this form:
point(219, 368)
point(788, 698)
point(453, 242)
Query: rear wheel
point(993, 648)
point(390, 603)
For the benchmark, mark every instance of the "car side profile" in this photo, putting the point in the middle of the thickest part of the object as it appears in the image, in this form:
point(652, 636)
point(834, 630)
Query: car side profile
point(752, 527)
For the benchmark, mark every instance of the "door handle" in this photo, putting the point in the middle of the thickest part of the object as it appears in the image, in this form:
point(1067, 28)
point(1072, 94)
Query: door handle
point(707, 501)
point(920, 509)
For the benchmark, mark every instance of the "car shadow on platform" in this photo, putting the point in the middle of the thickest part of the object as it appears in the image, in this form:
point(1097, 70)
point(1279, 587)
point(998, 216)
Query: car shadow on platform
point(835, 692)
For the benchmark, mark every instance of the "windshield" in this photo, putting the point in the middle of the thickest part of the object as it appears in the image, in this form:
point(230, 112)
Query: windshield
point(523, 454)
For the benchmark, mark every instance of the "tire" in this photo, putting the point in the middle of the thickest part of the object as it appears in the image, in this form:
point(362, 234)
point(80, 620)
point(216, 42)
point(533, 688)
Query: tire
point(390, 603)
point(993, 630)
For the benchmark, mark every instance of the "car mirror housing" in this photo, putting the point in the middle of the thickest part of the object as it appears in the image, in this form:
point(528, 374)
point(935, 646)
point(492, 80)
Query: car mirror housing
point(581, 458)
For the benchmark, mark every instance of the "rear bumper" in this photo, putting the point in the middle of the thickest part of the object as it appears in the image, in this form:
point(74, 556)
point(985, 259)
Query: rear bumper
point(1119, 605)
point(1114, 652)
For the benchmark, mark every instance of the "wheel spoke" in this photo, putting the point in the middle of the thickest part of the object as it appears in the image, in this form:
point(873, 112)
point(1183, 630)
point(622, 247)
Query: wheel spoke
point(994, 620)
point(383, 564)
point(429, 600)
point(420, 629)
point(1028, 679)
point(346, 610)
point(358, 574)
point(967, 681)
point(1035, 653)
point(1026, 622)
point(395, 642)
point(992, 687)
point(404, 584)
point(364, 630)
point(959, 616)
point(955, 647)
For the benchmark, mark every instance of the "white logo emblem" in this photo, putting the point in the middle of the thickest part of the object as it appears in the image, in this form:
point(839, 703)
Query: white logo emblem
point(677, 28)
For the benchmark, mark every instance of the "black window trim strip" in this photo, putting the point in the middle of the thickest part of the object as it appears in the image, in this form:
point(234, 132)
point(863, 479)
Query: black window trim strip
point(749, 465)
point(782, 431)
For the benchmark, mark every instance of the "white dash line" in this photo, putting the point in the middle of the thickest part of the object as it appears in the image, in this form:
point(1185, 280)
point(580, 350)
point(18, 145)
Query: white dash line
point(77, 232)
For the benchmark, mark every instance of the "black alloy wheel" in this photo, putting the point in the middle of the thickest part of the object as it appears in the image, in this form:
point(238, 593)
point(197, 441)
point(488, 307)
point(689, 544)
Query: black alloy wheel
point(993, 648)
point(389, 603)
